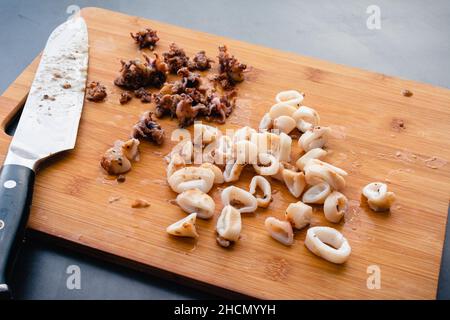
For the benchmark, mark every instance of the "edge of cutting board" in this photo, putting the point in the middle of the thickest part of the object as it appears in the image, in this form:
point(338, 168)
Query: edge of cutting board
point(32, 234)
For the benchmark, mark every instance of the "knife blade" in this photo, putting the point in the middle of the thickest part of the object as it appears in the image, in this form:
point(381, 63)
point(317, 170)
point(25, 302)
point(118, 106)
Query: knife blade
point(48, 125)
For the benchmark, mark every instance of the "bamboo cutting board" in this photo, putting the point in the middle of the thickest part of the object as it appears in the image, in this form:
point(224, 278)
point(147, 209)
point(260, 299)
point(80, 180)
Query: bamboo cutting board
point(73, 199)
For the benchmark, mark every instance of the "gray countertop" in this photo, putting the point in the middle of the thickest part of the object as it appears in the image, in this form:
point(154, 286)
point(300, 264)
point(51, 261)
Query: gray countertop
point(412, 43)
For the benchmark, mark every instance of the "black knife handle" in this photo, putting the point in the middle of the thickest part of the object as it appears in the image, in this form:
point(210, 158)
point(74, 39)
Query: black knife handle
point(16, 191)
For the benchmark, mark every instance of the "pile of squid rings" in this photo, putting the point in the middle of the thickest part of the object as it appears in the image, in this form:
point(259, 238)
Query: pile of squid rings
point(268, 151)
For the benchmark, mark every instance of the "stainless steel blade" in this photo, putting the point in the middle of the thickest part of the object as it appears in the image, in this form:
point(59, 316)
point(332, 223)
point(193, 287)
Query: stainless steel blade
point(50, 118)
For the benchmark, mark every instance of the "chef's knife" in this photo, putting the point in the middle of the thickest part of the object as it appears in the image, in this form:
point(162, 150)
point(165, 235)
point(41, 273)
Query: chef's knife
point(48, 125)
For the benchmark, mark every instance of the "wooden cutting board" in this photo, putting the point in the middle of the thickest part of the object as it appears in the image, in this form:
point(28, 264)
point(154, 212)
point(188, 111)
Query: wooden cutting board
point(72, 199)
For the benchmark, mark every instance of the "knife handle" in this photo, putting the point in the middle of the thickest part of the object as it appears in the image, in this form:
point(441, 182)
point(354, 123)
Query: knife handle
point(16, 191)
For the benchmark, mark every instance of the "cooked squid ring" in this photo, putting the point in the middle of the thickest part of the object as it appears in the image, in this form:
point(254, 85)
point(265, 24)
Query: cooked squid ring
point(314, 138)
point(317, 171)
point(176, 163)
point(284, 124)
point(316, 153)
point(208, 153)
point(335, 206)
point(115, 162)
point(329, 166)
point(281, 109)
point(266, 123)
point(306, 118)
point(378, 198)
point(191, 178)
point(291, 97)
point(328, 243)
point(184, 148)
point(266, 170)
point(237, 196)
point(284, 165)
point(197, 201)
point(228, 226)
point(130, 148)
point(204, 134)
point(294, 181)
point(280, 230)
point(298, 214)
point(232, 171)
point(284, 152)
point(224, 150)
point(246, 152)
point(243, 133)
point(218, 176)
point(267, 142)
point(317, 193)
point(184, 227)
point(264, 185)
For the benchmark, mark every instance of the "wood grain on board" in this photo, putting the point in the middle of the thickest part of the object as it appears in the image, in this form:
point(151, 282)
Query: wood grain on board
point(72, 197)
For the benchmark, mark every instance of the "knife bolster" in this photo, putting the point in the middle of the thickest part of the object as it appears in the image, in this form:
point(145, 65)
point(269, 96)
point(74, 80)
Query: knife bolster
point(21, 158)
